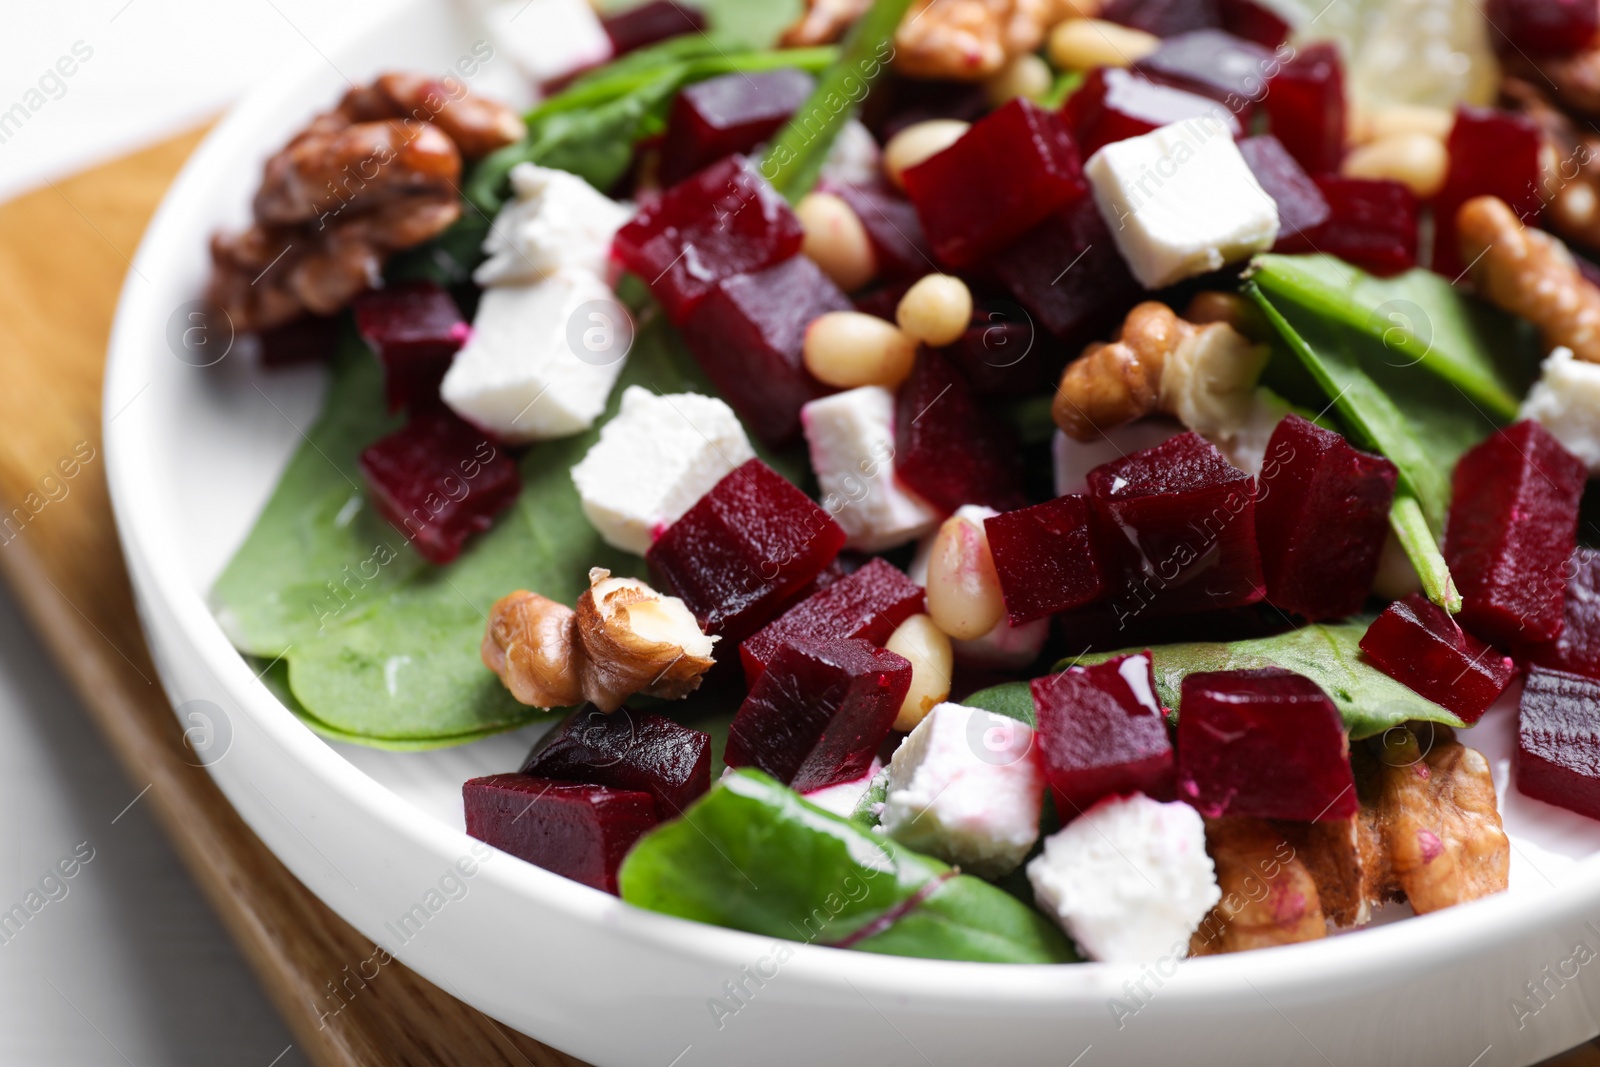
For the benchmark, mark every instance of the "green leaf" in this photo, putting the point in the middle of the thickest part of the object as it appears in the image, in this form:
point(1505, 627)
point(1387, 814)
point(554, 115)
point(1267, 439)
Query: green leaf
point(1327, 653)
point(867, 813)
point(1410, 527)
point(753, 855)
point(1011, 699)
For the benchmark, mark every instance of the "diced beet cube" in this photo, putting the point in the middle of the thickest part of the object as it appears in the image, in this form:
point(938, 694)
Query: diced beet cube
point(1051, 557)
point(311, 339)
point(1418, 644)
point(868, 605)
point(723, 221)
point(627, 750)
point(748, 335)
point(1005, 354)
point(1306, 106)
point(1069, 275)
point(1265, 743)
point(1109, 626)
point(1254, 22)
point(1371, 223)
point(577, 831)
point(1102, 731)
point(1545, 27)
point(1558, 740)
point(742, 551)
point(1301, 206)
point(1013, 168)
point(1164, 18)
point(1492, 153)
point(416, 329)
point(1513, 525)
point(728, 114)
point(438, 480)
point(1114, 104)
point(1576, 649)
point(893, 228)
point(648, 23)
point(947, 448)
point(819, 712)
point(1213, 63)
point(1322, 512)
point(1187, 517)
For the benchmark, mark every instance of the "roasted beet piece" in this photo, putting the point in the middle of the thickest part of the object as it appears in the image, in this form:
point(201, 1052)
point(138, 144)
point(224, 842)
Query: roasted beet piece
point(819, 712)
point(748, 335)
point(1417, 643)
point(1068, 274)
point(1051, 557)
point(868, 604)
point(728, 114)
point(1576, 649)
point(1301, 206)
point(1322, 511)
point(1306, 107)
point(648, 23)
point(1102, 731)
point(1255, 22)
point(1214, 63)
point(723, 221)
point(577, 831)
point(1372, 224)
point(947, 448)
point(1492, 153)
point(1004, 353)
point(742, 551)
point(894, 230)
point(1013, 168)
point(1187, 518)
point(1513, 526)
point(439, 480)
point(1113, 104)
point(1164, 18)
point(1544, 27)
point(1266, 743)
point(1558, 740)
point(627, 749)
point(416, 329)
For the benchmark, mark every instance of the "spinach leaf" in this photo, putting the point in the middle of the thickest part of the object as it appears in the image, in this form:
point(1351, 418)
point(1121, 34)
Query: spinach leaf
point(868, 814)
point(1011, 699)
point(753, 855)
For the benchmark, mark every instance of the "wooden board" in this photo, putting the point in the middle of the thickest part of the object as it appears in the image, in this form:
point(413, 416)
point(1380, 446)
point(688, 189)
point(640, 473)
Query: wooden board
point(63, 253)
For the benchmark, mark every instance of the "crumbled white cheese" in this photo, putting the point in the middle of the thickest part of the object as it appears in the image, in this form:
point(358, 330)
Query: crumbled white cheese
point(966, 786)
point(1005, 647)
point(1181, 201)
point(854, 157)
point(548, 39)
point(1129, 879)
point(1074, 459)
point(556, 220)
point(1566, 401)
point(851, 436)
point(843, 798)
point(654, 461)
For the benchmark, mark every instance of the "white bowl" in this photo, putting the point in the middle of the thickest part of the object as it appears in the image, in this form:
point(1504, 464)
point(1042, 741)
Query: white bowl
point(192, 454)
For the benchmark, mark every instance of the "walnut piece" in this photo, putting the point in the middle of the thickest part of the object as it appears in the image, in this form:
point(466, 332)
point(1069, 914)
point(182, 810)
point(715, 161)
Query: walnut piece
point(1574, 78)
point(1569, 165)
point(1268, 895)
point(531, 643)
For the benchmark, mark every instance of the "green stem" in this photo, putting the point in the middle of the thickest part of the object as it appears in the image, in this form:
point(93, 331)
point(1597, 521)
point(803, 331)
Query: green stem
point(1416, 537)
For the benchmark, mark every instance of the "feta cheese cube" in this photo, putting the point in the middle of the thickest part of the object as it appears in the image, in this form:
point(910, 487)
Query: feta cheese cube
point(1129, 880)
point(851, 436)
point(1566, 401)
point(531, 371)
point(1006, 647)
point(556, 220)
point(1181, 201)
point(548, 39)
point(653, 461)
point(966, 786)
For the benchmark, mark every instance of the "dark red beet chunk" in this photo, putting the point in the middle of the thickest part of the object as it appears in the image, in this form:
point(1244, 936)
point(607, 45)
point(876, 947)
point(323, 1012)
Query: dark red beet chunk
point(1213, 63)
point(627, 750)
point(1306, 107)
point(1548, 27)
point(723, 221)
point(1417, 643)
point(1265, 743)
point(1492, 153)
point(1013, 168)
point(1113, 104)
point(416, 329)
point(1164, 18)
point(577, 831)
point(648, 23)
point(1576, 649)
point(732, 113)
point(819, 712)
point(868, 605)
point(947, 448)
point(1513, 526)
point(1004, 353)
point(744, 549)
point(1254, 22)
point(1051, 557)
point(1301, 206)
point(892, 226)
point(1322, 512)
point(1187, 517)
point(1102, 731)
point(748, 335)
point(438, 480)
point(1068, 274)
point(311, 339)
point(1372, 224)
point(1558, 740)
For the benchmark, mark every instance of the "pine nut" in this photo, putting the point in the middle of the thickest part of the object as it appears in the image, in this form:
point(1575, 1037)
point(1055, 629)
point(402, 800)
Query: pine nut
point(1083, 44)
point(1027, 75)
point(964, 597)
point(1393, 119)
point(928, 650)
point(936, 310)
point(916, 143)
point(1416, 160)
point(835, 240)
point(847, 349)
